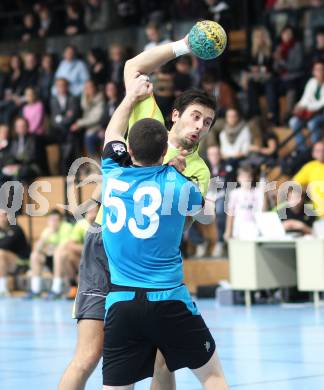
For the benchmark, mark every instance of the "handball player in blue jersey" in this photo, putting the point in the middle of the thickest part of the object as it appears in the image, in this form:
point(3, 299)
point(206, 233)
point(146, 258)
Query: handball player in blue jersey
point(148, 307)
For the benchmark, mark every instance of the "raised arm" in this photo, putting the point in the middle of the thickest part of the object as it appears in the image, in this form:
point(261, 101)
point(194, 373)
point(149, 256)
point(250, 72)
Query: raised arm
point(138, 88)
point(149, 60)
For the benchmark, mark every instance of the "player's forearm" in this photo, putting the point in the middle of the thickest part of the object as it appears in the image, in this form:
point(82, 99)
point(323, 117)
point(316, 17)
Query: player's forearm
point(148, 61)
point(118, 124)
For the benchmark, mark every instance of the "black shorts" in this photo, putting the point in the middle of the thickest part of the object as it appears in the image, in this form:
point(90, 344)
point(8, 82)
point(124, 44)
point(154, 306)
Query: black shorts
point(94, 279)
point(139, 321)
point(49, 262)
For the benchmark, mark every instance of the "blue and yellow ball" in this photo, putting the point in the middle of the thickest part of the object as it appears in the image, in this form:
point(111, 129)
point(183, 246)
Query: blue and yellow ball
point(207, 39)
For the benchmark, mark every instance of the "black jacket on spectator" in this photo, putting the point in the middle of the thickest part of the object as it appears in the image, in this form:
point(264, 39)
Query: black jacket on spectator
point(45, 82)
point(10, 237)
point(3, 83)
point(29, 78)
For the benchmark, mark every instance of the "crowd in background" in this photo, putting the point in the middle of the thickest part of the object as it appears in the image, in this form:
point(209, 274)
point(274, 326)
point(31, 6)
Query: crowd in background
point(46, 98)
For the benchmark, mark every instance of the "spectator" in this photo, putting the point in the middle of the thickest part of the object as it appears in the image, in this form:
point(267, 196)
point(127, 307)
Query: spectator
point(127, 12)
point(30, 27)
point(187, 9)
point(92, 105)
point(317, 54)
point(73, 70)
point(112, 102)
point(154, 10)
point(55, 234)
point(34, 112)
point(265, 152)
point(15, 75)
point(24, 162)
point(295, 215)
point(116, 64)
point(67, 256)
point(163, 84)
point(3, 83)
point(309, 110)
point(235, 138)
point(222, 91)
point(64, 112)
point(314, 17)
point(74, 23)
point(4, 146)
point(46, 79)
point(10, 252)
point(259, 78)
point(30, 73)
point(47, 22)
point(97, 66)
point(311, 177)
point(96, 15)
point(183, 75)
point(288, 63)
point(243, 203)
point(154, 37)
point(220, 12)
point(218, 170)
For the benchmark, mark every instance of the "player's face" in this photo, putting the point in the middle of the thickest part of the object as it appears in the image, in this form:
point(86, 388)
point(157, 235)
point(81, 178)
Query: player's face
point(193, 125)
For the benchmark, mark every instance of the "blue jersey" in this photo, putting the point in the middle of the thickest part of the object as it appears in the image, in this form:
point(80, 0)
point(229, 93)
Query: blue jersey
point(144, 211)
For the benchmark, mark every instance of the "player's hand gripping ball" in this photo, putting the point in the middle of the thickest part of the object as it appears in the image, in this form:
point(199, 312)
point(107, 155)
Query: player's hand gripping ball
point(207, 39)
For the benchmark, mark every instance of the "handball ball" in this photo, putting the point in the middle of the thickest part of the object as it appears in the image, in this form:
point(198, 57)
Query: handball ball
point(207, 39)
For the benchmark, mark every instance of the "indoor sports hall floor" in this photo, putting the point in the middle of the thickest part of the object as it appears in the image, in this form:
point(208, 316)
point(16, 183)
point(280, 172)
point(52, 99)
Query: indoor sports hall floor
point(265, 347)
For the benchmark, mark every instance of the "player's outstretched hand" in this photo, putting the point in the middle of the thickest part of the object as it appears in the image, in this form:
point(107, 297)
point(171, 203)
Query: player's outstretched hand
point(140, 87)
point(179, 162)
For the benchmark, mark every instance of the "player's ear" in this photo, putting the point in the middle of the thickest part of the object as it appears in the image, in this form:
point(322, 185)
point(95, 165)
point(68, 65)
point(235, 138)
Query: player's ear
point(165, 151)
point(130, 152)
point(175, 115)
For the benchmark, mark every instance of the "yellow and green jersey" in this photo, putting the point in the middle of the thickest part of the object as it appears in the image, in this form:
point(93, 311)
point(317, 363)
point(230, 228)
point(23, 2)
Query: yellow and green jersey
point(196, 169)
point(60, 236)
point(79, 231)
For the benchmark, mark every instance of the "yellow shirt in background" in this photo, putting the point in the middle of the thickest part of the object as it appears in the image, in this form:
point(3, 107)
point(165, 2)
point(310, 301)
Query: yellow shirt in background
point(79, 231)
point(311, 176)
point(60, 236)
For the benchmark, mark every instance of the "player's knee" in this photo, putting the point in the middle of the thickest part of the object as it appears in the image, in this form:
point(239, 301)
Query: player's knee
point(87, 360)
point(215, 382)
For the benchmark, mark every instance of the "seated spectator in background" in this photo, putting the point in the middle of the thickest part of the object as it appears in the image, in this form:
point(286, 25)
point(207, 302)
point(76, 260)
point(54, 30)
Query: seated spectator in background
point(288, 63)
point(127, 12)
point(222, 91)
point(73, 70)
point(56, 233)
point(74, 23)
point(317, 54)
point(183, 75)
point(15, 76)
point(30, 27)
point(33, 111)
point(13, 247)
point(97, 66)
point(311, 177)
point(48, 25)
point(309, 111)
point(220, 12)
point(155, 11)
point(154, 36)
point(295, 215)
point(116, 63)
point(314, 17)
point(243, 203)
point(4, 146)
point(30, 73)
point(259, 80)
point(163, 86)
point(235, 137)
point(3, 83)
point(218, 169)
point(46, 79)
point(187, 9)
point(96, 15)
point(92, 105)
point(64, 110)
point(265, 152)
point(113, 99)
point(67, 256)
point(24, 162)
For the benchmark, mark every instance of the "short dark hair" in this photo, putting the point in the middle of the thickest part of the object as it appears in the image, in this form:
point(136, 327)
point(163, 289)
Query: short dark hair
point(194, 96)
point(55, 212)
point(148, 139)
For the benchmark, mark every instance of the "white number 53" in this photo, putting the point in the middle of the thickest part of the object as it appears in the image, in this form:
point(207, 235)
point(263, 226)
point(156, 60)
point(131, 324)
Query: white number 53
point(149, 211)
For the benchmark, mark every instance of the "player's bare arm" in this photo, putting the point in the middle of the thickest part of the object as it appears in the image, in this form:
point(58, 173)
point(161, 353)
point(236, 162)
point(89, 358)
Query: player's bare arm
point(138, 89)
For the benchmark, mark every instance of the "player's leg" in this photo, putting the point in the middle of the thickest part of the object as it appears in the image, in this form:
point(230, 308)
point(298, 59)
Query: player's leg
point(211, 375)
point(89, 309)
point(87, 355)
point(163, 379)
point(8, 263)
point(37, 261)
point(59, 257)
